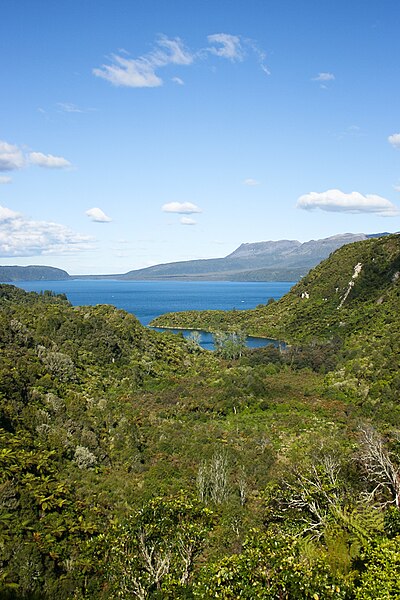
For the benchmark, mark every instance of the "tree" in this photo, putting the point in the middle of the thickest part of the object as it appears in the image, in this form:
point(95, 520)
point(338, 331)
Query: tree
point(154, 550)
point(380, 467)
point(229, 345)
point(193, 340)
point(270, 566)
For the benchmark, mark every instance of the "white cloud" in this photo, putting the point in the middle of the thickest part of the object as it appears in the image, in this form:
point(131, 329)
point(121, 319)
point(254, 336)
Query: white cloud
point(22, 236)
point(97, 215)
point(7, 214)
point(229, 46)
point(11, 157)
point(187, 221)
point(141, 72)
point(324, 77)
point(397, 188)
point(183, 208)
point(394, 140)
point(176, 53)
point(48, 161)
point(4, 179)
point(127, 72)
point(251, 182)
point(337, 201)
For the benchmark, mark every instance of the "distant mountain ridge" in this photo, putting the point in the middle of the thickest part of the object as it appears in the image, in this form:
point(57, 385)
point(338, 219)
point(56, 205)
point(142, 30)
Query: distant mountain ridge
point(282, 260)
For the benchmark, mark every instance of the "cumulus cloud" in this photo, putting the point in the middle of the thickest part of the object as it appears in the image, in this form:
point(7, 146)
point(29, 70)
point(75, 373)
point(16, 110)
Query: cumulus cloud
point(324, 77)
point(4, 179)
point(183, 208)
point(337, 201)
point(22, 236)
point(226, 46)
point(394, 140)
point(251, 182)
point(187, 221)
point(97, 215)
point(48, 161)
point(11, 157)
point(143, 71)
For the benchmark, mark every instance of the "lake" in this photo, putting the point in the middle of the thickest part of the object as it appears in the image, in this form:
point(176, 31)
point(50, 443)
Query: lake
point(149, 299)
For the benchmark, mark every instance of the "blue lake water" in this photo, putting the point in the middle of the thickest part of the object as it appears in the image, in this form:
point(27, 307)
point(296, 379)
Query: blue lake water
point(149, 299)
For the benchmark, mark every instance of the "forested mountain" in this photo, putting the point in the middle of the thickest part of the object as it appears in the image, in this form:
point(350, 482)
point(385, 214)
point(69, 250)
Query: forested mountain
point(31, 273)
point(134, 464)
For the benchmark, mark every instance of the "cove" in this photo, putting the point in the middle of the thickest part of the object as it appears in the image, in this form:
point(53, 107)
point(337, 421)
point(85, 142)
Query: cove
point(207, 342)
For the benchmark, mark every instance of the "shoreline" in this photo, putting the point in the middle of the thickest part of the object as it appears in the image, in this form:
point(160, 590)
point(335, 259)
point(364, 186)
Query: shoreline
point(169, 327)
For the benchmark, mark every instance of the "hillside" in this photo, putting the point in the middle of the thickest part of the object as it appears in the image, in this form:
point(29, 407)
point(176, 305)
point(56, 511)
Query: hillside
point(353, 296)
point(31, 273)
point(135, 465)
point(330, 300)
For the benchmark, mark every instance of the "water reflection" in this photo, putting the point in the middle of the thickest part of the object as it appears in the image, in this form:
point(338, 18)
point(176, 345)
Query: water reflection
point(207, 342)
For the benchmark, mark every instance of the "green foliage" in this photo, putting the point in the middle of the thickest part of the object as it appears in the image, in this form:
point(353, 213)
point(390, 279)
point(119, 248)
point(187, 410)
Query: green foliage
point(155, 549)
point(229, 345)
point(269, 566)
point(103, 422)
point(381, 579)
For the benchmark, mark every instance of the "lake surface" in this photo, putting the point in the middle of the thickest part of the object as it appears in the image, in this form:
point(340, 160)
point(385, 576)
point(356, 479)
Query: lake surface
point(149, 299)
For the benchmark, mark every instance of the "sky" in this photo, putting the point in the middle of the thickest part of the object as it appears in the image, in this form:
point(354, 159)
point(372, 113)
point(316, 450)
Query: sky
point(139, 132)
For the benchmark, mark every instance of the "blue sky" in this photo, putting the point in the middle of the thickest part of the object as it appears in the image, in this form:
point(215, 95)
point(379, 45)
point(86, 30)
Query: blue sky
point(135, 132)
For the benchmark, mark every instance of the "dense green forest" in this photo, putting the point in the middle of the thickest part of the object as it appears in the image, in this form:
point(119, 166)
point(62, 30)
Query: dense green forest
point(134, 464)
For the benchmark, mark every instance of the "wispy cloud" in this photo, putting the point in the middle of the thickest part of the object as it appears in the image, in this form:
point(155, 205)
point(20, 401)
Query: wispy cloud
point(187, 221)
point(68, 107)
point(351, 131)
point(354, 202)
point(260, 55)
point(183, 208)
point(4, 180)
point(97, 215)
point(11, 157)
point(23, 236)
point(226, 45)
point(143, 71)
point(324, 77)
point(394, 140)
point(48, 161)
point(251, 182)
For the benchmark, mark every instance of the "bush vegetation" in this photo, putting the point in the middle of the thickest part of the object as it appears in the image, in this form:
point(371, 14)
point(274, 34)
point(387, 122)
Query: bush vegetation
point(133, 464)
